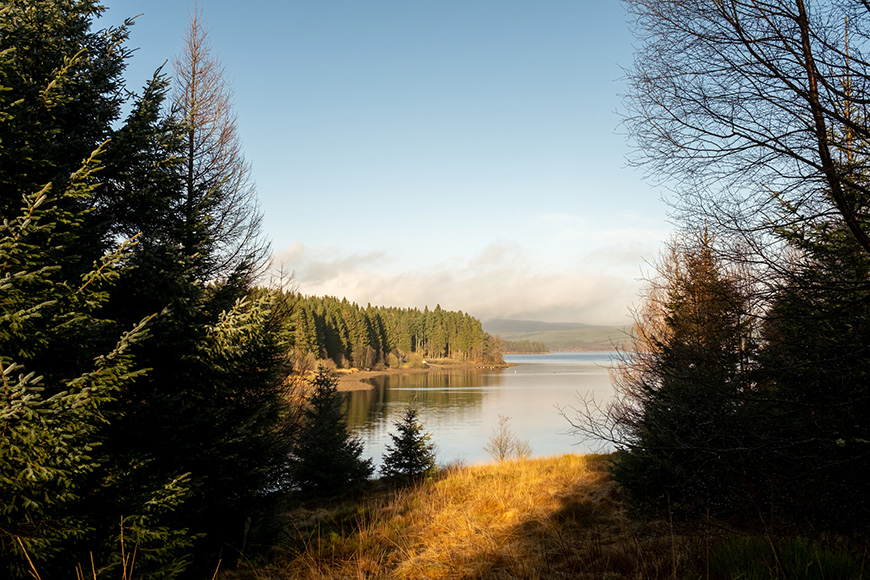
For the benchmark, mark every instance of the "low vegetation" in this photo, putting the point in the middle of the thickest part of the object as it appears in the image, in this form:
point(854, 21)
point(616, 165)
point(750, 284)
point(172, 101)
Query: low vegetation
point(503, 444)
point(559, 517)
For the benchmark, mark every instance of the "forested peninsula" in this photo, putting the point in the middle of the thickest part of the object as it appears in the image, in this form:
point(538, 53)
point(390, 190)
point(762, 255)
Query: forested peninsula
point(379, 337)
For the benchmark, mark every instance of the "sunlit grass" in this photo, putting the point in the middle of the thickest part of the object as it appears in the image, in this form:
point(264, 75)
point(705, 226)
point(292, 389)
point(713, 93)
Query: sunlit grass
point(538, 518)
point(551, 518)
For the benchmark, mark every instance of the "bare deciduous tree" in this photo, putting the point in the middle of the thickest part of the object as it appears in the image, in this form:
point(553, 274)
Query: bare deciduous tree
point(503, 444)
point(217, 176)
point(756, 112)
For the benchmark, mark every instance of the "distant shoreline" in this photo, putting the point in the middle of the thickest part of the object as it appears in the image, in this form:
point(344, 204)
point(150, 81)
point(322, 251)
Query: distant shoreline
point(594, 348)
point(356, 380)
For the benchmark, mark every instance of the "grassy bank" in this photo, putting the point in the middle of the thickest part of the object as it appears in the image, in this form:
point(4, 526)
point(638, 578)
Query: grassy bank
point(547, 518)
point(540, 518)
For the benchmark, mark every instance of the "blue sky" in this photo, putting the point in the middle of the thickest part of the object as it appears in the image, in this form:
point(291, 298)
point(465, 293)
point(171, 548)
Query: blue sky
point(409, 153)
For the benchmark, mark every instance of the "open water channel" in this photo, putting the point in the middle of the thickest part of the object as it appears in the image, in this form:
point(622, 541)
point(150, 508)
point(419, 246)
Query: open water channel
point(461, 407)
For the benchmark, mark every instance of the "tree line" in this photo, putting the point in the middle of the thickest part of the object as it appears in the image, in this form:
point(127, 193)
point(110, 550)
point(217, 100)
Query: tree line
point(744, 399)
point(372, 337)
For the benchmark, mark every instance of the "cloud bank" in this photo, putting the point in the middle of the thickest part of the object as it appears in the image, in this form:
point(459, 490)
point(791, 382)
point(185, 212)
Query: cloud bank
point(501, 280)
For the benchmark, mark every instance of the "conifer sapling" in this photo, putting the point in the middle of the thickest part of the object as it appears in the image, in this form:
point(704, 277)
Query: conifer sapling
point(412, 454)
point(327, 457)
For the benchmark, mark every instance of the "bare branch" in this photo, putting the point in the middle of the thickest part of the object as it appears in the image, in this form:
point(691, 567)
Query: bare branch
point(218, 178)
point(755, 112)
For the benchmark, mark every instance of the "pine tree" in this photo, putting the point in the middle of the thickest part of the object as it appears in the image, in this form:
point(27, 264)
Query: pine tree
point(411, 457)
point(326, 457)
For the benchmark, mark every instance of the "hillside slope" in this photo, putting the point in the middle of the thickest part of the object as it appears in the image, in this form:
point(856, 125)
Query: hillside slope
point(560, 336)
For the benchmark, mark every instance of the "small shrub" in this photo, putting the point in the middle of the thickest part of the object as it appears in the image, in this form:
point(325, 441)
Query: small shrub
point(415, 361)
point(503, 444)
point(304, 362)
point(328, 364)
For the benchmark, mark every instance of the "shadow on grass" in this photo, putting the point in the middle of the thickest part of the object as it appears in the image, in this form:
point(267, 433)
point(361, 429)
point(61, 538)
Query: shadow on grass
point(588, 536)
point(551, 518)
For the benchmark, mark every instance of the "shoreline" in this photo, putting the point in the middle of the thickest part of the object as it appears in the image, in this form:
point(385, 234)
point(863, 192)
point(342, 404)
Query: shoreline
point(355, 379)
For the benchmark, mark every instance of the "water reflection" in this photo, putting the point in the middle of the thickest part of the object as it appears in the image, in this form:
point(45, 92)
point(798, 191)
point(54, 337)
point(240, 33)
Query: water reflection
point(461, 407)
point(437, 392)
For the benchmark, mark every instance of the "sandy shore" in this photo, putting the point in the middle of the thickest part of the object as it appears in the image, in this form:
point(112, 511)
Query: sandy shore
point(355, 380)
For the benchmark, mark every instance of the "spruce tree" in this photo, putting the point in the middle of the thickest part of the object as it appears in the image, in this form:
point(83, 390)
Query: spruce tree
point(326, 456)
point(65, 361)
point(196, 447)
point(53, 421)
point(411, 457)
point(213, 405)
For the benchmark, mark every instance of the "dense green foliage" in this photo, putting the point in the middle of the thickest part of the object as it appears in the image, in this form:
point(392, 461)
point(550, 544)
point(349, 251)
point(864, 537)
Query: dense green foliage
point(326, 457)
point(52, 415)
point(142, 397)
point(378, 337)
point(728, 412)
point(411, 457)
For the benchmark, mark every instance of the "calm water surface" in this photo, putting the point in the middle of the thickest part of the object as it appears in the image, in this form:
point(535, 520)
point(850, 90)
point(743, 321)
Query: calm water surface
point(461, 407)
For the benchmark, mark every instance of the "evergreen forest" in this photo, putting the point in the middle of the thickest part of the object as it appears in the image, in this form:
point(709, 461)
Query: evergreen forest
point(382, 337)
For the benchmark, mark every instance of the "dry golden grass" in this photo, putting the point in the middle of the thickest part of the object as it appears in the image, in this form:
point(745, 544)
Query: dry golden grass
point(537, 518)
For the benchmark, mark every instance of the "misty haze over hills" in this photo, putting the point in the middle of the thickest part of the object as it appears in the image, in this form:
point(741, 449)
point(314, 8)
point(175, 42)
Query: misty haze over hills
point(560, 336)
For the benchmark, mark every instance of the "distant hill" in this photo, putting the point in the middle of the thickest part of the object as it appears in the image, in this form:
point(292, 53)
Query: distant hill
point(560, 336)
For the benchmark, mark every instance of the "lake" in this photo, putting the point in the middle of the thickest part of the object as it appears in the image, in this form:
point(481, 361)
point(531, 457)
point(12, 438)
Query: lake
point(461, 407)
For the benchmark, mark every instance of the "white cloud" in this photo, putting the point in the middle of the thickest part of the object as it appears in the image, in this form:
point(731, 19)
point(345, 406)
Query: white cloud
point(500, 280)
